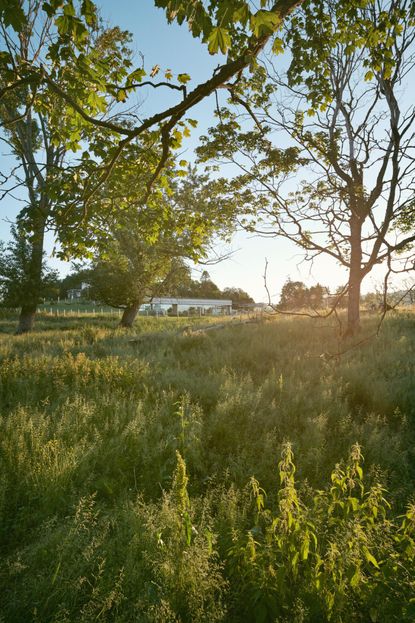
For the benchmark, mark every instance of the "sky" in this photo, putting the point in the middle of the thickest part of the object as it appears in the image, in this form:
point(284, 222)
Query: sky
point(173, 47)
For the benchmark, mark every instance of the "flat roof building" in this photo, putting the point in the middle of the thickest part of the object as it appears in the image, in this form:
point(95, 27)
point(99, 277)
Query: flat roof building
point(217, 306)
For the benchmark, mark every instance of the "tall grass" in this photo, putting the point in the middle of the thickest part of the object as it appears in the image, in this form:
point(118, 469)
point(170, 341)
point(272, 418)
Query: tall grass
point(138, 477)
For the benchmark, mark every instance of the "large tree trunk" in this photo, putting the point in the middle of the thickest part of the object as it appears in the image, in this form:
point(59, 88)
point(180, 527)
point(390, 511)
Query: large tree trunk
point(26, 319)
point(129, 315)
point(355, 277)
point(33, 279)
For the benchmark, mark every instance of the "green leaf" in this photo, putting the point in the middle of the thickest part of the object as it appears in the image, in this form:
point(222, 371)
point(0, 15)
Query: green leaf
point(264, 23)
point(55, 575)
point(136, 76)
point(121, 95)
point(97, 101)
point(355, 578)
point(49, 10)
point(354, 503)
point(79, 32)
point(69, 9)
point(370, 558)
point(6, 59)
point(278, 46)
point(294, 560)
point(305, 548)
point(241, 15)
point(183, 78)
point(88, 10)
point(62, 24)
point(12, 14)
point(219, 39)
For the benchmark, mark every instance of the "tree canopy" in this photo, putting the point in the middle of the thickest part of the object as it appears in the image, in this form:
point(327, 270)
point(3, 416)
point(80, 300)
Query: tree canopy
point(86, 81)
point(296, 295)
point(66, 86)
point(325, 157)
point(15, 287)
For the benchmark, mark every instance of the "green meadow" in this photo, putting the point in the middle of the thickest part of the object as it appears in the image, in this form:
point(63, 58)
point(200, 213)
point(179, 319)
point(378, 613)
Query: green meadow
point(237, 475)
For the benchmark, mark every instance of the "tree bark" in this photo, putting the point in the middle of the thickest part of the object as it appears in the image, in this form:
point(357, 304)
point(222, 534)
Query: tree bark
point(355, 277)
point(129, 315)
point(26, 319)
point(33, 279)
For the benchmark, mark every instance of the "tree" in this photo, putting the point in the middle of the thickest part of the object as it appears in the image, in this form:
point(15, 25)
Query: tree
point(205, 277)
point(347, 134)
point(293, 295)
point(56, 68)
point(142, 252)
point(183, 284)
point(227, 26)
point(316, 296)
point(239, 297)
point(188, 287)
point(15, 284)
point(296, 295)
point(36, 129)
point(62, 71)
point(208, 289)
point(132, 271)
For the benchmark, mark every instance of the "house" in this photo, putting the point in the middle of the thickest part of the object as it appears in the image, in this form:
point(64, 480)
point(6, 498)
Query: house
point(78, 293)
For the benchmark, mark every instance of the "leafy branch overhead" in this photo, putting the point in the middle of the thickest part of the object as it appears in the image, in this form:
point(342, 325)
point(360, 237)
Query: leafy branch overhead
point(87, 82)
point(231, 27)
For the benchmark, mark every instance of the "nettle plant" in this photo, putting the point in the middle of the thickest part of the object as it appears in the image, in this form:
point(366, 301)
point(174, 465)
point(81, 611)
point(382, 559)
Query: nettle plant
point(336, 556)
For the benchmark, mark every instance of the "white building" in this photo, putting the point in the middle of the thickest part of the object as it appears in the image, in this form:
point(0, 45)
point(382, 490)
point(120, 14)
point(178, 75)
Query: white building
point(216, 307)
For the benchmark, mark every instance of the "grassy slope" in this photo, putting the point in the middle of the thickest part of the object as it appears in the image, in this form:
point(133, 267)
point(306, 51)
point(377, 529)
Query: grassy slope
point(90, 425)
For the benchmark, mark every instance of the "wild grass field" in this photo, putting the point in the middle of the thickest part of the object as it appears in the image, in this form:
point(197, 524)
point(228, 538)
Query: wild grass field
point(236, 475)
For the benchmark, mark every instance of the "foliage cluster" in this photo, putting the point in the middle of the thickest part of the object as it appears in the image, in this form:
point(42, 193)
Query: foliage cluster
point(295, 294)
point(15, 284)
point(138, 479)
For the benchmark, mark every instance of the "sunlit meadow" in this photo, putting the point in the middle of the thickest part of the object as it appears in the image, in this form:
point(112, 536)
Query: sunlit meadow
point(238, 474)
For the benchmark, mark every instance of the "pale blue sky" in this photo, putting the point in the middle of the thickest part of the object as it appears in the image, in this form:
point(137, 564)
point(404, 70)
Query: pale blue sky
point(172, 47)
